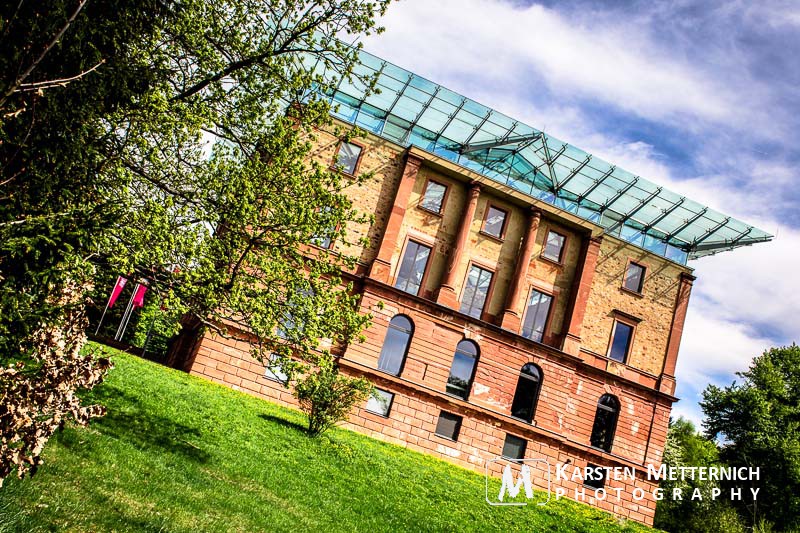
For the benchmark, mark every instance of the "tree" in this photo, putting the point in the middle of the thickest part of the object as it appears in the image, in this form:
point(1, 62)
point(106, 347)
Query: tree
point(687, 447)
point(170, 141)
point(758, 424)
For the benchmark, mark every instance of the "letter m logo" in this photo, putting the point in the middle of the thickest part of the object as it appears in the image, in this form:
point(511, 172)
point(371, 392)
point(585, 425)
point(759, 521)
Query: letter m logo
point(510, 485)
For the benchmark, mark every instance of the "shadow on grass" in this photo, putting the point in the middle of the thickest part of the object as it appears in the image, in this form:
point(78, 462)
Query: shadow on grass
point(283, 422)
point(145, 429)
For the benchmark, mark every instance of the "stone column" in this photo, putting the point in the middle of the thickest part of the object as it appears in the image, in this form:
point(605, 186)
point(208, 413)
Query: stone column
point(381, 266)
point(446, 295)
point(667, 381)
point(512, 316)
point(581, 287)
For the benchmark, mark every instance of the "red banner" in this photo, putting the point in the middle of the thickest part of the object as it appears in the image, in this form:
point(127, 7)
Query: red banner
point(138, 297)
point(115, 292)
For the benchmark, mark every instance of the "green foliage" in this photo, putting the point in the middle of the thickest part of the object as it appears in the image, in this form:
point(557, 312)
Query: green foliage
point(170, 140)
point(326, 396)
point(687, 447)
point(758, 422)
point(178, 453)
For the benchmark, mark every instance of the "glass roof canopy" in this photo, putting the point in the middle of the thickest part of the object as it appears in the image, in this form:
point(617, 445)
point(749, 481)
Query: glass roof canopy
point(410, 110)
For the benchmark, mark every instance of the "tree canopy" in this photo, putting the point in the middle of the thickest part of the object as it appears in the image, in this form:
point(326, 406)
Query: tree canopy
point(757, 422)
point(168, 141)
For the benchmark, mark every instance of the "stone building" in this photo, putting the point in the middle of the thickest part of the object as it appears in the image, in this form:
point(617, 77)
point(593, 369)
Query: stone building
point(528, 298)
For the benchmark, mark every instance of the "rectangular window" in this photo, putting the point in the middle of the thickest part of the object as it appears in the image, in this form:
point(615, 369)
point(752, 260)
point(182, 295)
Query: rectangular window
point(347, 158)
point(634, 277)
point(554, 246)
point(594, 476)
point(476, 291)
point(448, 426)
point(274, 371)
point(433, 199)
point(380, 402)
point(412, 267)
point(495, 223)
point(325, 238)
point(621, 341)
point(514, 447)
point(536, 315)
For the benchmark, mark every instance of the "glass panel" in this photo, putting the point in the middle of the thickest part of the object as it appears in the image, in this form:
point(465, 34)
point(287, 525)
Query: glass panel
point(395, 345)
point(621, 342)
point(527, 393)
point(412, 268)
point(448, 425)
point(536, 316)
point(554, 247)
point(461, 371)
point(380, 402)
point(434, 197)
point(347, 157)
point(634, 277)
point(595, 476)
point(514, 447)
point(605, 423)
point(274, 371)
point(495, 222)
point(476, 291)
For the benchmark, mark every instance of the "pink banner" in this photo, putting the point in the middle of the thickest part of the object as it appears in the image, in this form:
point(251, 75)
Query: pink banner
point(115, 292)
point(138, 297)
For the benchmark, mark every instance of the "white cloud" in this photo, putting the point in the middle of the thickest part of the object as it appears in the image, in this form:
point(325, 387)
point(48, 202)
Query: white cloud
point(468, 43)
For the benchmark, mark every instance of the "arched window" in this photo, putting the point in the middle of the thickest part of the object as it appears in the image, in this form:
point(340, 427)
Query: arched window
point(527, 393)
point(395, 345)
point(605, 422)
point(462, 370)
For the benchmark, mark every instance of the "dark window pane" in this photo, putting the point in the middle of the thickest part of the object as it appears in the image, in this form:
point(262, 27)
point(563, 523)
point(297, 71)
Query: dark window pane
point(621, 342)
point(476, 291)
point(536, 316)
point(595, 476)
point(412, 267)
point(495, 221)
point(347, 158)
point(380, 402)
point(462, 369)
point(514, 447)
point(634, 277)
point(554, 247)
point(605, 422)
point(395, 345)
point(527, 393)
point(448, 425)
point(434, 196)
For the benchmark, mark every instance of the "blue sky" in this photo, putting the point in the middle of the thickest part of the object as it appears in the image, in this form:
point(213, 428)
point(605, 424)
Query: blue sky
point(701, 97)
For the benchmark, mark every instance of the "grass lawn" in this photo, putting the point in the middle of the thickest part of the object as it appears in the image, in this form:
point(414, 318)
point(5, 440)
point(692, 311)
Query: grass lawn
point(177, 453)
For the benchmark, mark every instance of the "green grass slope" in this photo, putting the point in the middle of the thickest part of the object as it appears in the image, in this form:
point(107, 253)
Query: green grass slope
point(177, 453)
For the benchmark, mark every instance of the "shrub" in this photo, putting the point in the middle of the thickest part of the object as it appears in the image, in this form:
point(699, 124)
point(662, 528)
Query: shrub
point(326, 396)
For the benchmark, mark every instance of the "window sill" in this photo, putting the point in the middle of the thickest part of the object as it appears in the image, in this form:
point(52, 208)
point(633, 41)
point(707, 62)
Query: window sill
point(551, 261)
point(632, 292)
point(427, 211)
point(386, 416)
point(507, 458)
point(495, 238)
point(445, 438)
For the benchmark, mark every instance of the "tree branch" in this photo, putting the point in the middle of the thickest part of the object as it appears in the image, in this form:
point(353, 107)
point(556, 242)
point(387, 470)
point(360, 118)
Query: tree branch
point(40, 85)
point(49, 47)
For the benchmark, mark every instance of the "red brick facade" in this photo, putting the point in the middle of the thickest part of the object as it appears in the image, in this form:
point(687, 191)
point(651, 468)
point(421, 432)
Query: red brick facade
point(587, 302)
